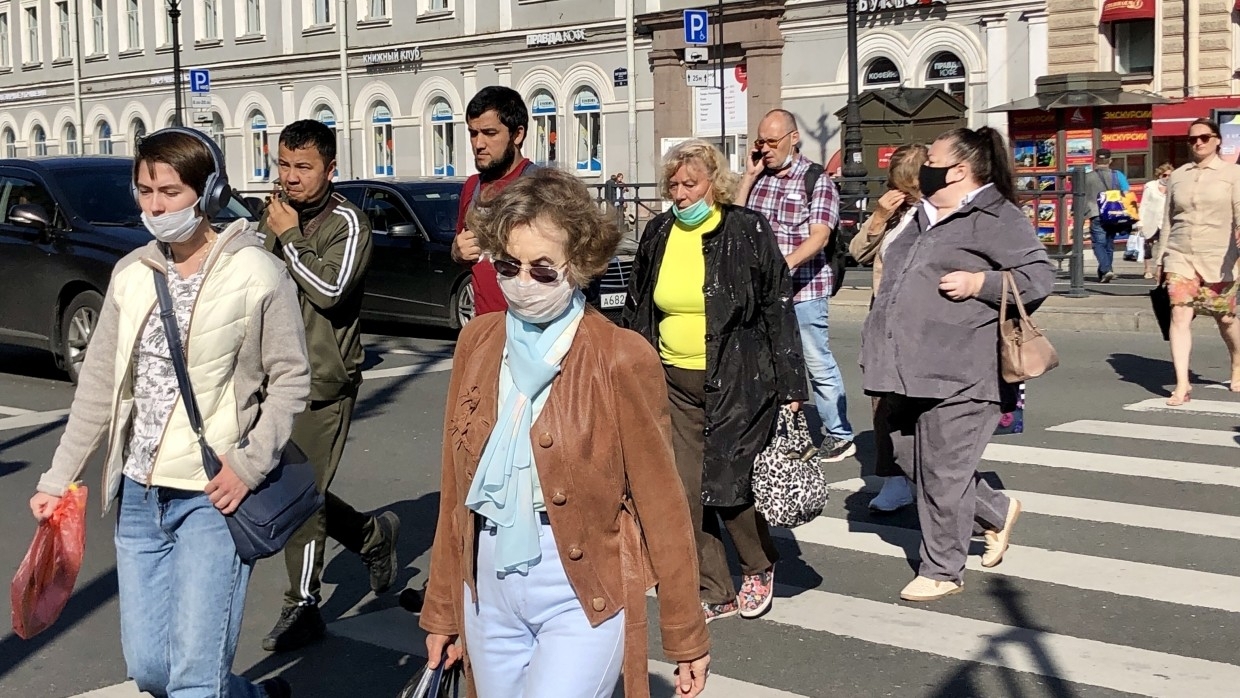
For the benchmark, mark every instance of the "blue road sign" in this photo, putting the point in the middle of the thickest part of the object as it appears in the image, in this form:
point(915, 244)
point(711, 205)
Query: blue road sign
point(696, 22)
point(199, 81)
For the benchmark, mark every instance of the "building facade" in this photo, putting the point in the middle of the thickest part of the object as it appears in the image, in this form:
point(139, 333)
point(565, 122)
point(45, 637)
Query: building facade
point(394, 76)
point(1187, 51)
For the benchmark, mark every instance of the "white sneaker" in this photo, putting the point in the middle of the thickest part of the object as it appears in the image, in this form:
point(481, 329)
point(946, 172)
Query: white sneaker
point(924, 589)
point(997, 541)
point(896, 494)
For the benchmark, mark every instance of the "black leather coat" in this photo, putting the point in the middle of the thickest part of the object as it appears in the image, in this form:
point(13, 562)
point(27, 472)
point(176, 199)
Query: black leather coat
point(753, 344)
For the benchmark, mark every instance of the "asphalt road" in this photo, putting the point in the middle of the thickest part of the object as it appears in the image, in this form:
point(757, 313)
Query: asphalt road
point(1122, 579)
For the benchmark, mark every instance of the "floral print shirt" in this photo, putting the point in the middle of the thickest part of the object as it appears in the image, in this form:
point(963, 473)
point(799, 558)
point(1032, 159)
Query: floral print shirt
point(155, 389)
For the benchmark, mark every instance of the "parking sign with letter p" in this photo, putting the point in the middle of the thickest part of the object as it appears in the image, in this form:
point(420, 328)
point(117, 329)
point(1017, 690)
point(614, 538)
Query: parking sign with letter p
point(696, 22)
point(200, 81)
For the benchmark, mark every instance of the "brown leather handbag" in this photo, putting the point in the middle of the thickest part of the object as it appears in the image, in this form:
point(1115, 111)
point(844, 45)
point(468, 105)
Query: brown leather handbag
point(1024, 352)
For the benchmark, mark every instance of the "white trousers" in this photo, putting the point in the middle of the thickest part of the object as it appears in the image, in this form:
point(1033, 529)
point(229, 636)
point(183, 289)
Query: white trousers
point(528, 636)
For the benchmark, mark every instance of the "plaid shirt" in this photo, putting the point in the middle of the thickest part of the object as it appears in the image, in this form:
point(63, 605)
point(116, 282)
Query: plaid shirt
point(782, 201)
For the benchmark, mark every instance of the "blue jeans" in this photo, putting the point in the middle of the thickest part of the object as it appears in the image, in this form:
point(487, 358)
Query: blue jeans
point(528, 636)
point(182, 592)
point(824, 373)
point(1104, 245)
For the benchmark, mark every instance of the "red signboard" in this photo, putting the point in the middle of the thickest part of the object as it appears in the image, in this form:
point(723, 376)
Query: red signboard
point(1126, 138)
point(1122, 10)
point(1033, 121)
point(884, 155)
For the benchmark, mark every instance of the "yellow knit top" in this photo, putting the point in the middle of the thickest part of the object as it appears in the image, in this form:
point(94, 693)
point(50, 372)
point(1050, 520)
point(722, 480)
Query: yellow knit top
point(680, 297)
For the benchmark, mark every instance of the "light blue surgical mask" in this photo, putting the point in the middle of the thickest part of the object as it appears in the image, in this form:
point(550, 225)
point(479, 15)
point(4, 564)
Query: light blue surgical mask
point(694, 214)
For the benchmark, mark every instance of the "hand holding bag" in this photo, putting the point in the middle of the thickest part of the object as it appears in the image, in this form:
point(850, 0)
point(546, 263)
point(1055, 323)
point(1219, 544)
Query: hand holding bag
point(1024, 352)
point(269, 516)
point(789, 488)
point(434, 683)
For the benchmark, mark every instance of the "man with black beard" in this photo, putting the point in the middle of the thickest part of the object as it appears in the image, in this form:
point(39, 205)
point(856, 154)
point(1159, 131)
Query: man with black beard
point(497, 119)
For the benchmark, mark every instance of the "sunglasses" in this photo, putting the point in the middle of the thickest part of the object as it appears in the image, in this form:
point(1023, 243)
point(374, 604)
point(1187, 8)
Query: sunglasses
point(543, 275)
point(1202, 138)
point(770, 142)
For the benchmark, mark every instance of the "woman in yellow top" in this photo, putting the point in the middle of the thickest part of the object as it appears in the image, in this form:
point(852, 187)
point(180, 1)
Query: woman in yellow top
point(1197, 251)
point(710, 289)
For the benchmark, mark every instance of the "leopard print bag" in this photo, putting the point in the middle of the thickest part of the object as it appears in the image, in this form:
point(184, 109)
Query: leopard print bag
point(789, 488)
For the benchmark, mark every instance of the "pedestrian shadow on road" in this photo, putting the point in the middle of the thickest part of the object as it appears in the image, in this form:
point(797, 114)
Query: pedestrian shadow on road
point(346, 571)
point(10, 467)
point(82, 604)
point(1152, 374)
point(1020, 644)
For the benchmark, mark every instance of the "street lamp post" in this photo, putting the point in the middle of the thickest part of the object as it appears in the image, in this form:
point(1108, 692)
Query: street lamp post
point(174, 17)
point(854, 166)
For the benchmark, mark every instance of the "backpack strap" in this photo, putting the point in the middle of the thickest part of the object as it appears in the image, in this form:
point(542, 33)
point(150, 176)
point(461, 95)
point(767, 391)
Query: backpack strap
point(811, 180)
point(317, 222)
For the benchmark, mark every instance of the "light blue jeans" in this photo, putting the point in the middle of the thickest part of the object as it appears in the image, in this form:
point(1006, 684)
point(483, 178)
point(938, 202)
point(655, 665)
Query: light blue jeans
point(182, 592)
point(528, 636)
point(824, 373)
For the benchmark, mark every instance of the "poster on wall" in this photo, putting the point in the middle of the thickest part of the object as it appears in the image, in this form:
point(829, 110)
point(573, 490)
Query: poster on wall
point(1078, 147)
point(1229, 129)
point(1127, 128)
point(735, 106)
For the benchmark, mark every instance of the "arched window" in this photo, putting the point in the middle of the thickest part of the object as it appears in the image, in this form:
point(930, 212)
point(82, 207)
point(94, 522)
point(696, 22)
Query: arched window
point(324, 115)
point(103, 138)
point(38, 141)
point(881, 72)
point(217, 133)
point(542, 109)
point(947, 72)
point(259, 153)
point(69, 139)
point(588, 112)
point(381, 128)
point(10, 143)
point(443, 137)
point(137, 129)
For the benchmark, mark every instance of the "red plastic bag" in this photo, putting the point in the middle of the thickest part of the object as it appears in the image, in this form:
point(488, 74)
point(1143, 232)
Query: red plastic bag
point(45, 579)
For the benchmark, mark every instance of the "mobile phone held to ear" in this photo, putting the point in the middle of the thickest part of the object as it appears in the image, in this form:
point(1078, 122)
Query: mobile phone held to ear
point(755, 155)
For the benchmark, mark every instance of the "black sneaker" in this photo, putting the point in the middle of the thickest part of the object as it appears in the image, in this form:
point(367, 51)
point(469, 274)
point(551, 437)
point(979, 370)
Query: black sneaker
point(298, 627)
point(276, 688)
point(835, 449)
point(381, 559)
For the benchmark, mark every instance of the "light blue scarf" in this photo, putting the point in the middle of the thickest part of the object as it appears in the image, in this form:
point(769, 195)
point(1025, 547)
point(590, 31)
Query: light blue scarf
point(503, 488)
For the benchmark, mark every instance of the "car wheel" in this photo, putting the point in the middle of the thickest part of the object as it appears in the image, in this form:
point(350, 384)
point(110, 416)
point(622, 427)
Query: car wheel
point(462, 308)
point(77, 326)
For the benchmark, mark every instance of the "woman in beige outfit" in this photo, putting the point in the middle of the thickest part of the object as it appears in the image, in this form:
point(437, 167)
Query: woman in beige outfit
point(1197, 251)
point(895, 210)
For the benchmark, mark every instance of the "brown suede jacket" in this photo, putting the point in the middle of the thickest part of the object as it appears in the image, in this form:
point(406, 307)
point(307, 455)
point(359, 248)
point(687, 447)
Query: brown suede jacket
point(603, 451)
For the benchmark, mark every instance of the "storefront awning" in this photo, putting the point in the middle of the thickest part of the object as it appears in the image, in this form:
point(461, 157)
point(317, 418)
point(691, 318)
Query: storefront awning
point(1124, 10)
point(1173, 119)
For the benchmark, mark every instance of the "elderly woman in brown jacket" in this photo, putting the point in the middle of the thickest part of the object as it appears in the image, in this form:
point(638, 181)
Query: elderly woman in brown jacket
point(560, 502)
point(895, 210)
point(1197, 250)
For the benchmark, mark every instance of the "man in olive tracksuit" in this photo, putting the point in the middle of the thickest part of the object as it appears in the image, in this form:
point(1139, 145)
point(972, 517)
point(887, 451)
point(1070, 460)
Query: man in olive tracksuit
point(325, 240)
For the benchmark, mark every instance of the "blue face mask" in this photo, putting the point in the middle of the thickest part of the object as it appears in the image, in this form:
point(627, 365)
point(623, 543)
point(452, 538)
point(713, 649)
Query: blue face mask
point(694, 214)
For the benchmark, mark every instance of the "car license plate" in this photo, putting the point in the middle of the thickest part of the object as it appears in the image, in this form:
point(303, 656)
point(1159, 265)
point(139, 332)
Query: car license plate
point(612, 300)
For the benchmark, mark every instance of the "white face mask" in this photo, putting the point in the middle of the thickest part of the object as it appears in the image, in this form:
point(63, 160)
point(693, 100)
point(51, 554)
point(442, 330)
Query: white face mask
point(174, 227)
point(536, 302)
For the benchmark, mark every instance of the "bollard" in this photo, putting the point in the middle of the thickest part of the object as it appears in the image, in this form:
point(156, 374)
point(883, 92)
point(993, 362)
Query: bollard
point(1079, 207)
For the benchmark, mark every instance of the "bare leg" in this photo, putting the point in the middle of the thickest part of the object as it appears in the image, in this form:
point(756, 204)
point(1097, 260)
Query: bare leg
point(1181, 350)
point(1229, 327)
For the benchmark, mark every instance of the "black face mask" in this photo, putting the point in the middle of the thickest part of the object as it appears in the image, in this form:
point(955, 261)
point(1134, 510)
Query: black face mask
point(932, 179)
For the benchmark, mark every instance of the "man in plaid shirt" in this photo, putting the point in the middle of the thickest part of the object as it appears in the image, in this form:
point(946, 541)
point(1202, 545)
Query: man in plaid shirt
point(774, 185)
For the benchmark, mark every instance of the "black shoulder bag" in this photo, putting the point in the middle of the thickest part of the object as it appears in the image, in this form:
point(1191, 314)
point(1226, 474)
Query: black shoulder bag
point(270, 515)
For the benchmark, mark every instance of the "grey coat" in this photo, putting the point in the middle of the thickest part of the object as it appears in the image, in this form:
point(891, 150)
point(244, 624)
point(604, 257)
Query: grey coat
point(918, 342)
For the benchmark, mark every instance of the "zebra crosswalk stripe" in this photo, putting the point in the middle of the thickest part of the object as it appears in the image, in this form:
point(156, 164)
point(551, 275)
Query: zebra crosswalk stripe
point(1178, 471)
point(1152, 432)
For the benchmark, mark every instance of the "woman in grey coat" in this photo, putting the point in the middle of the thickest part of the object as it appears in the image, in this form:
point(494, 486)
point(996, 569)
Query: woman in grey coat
point(930, 347)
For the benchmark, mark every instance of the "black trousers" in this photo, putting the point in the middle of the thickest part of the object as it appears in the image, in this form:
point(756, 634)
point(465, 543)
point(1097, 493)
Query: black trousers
point(321, 432)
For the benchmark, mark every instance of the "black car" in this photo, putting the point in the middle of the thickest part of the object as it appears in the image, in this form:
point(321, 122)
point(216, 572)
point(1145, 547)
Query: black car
point(412, 277)
point(66, 222)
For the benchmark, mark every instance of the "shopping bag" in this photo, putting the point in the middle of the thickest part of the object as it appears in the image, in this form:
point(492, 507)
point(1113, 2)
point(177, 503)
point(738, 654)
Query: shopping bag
point(1160, 301)
point(434, 683)
point(1135, 251)
point(789, 488)
point(45, 579)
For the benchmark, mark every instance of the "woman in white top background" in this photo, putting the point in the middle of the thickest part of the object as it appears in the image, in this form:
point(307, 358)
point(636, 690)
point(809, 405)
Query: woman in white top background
point(1153, 208)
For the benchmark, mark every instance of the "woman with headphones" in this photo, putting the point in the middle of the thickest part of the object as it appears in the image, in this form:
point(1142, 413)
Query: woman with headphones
point(181, 582)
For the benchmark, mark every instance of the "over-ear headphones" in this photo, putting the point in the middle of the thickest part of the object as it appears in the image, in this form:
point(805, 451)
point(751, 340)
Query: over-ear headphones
point(216, 192)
